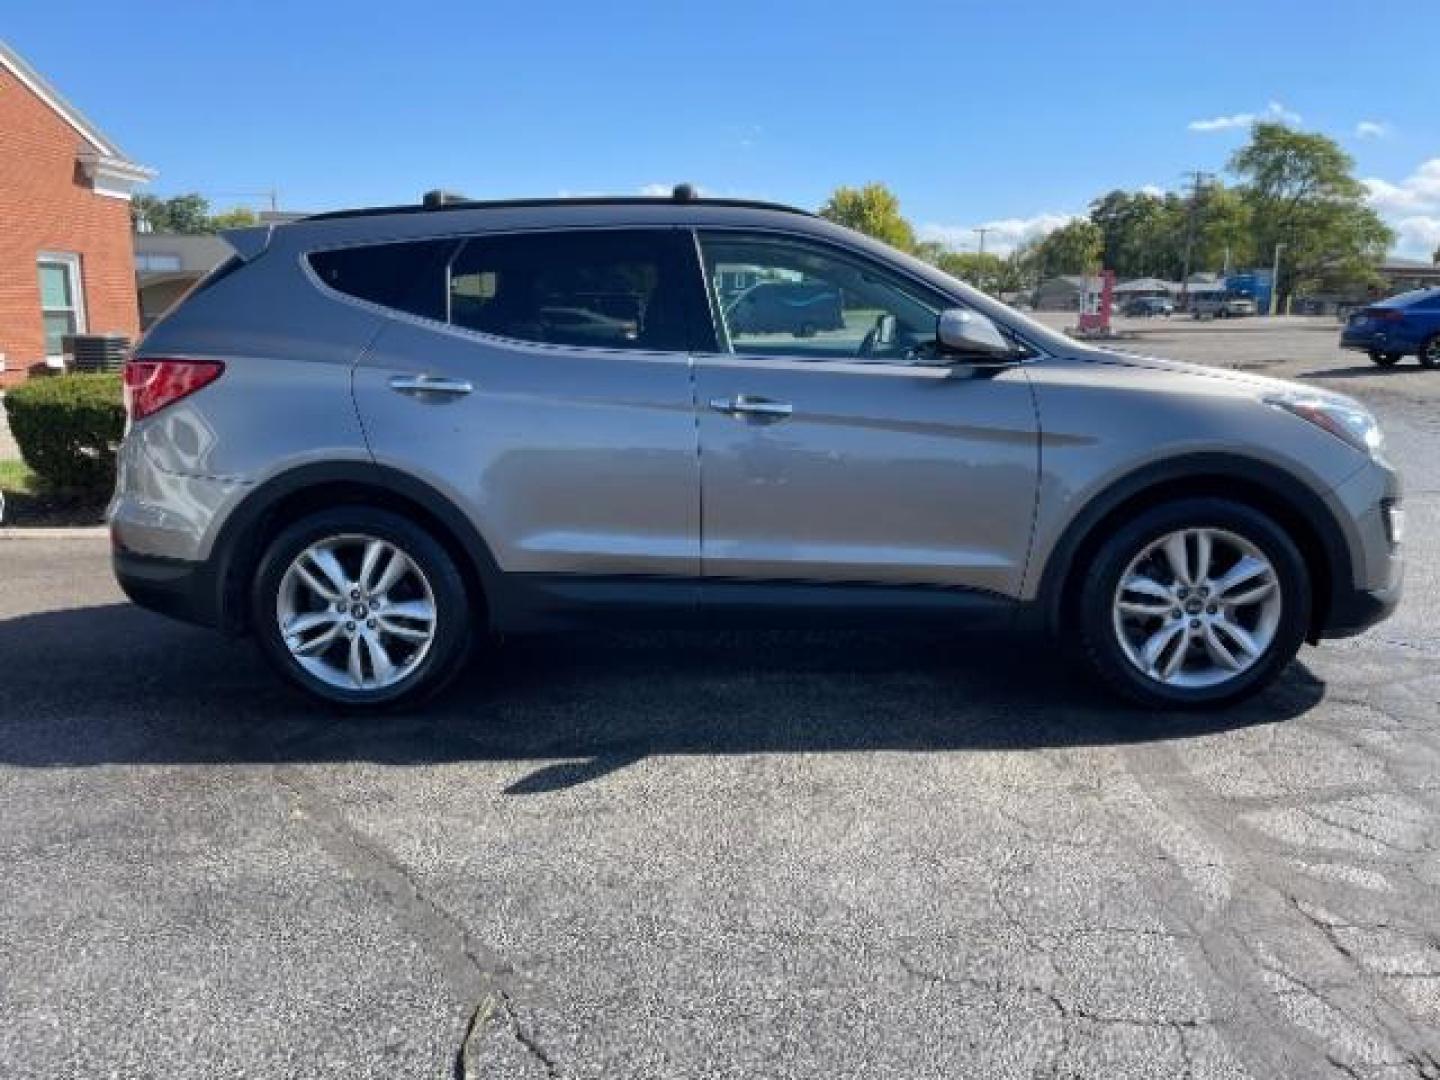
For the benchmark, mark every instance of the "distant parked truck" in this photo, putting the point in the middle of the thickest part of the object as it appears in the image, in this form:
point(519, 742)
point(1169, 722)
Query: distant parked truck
point(778, 307)
point(1221, 305)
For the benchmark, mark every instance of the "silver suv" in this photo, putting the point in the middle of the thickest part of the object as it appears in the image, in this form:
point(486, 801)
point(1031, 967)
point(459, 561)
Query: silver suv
point(374, 436)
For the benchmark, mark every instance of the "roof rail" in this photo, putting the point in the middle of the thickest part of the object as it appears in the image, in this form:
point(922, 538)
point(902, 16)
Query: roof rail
point(439, 199)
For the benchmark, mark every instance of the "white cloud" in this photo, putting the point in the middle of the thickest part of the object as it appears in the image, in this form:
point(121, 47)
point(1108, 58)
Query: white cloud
point(657, 190)
point(1372, 129)
point(1155, 191)
point(1411, 208)
point(1417, 237)
point(1420, 191)
point(1275, 112)
point(1003, 235)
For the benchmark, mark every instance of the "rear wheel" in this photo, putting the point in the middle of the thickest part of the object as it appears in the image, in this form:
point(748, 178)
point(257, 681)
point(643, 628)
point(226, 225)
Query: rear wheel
point(1430, 352)
point(361, 608)
point(1194, 604)
point(1384, 359)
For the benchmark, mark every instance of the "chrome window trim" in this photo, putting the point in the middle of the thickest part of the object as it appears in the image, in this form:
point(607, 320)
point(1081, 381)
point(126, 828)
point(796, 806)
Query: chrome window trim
point(459, 237)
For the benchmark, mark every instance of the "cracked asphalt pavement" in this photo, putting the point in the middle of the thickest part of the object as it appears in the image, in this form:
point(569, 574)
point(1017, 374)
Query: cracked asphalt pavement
point(724, 855)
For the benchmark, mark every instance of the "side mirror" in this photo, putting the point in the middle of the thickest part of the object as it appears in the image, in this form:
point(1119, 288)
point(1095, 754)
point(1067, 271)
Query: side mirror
point(968, 334)
point(885, 330)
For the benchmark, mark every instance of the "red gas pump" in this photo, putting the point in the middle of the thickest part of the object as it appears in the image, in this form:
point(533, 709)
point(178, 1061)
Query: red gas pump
point(1095, 306)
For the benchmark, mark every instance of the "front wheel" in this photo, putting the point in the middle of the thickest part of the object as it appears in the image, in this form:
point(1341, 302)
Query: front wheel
point(1384, 359)
point(1194, 604)
point(360, 608)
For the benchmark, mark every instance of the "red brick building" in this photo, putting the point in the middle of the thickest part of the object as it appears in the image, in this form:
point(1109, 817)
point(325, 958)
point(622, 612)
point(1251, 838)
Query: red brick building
point(66, 261)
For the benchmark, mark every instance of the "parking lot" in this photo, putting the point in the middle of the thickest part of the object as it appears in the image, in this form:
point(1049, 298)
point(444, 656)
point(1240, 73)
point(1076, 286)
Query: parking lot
point(725, 855)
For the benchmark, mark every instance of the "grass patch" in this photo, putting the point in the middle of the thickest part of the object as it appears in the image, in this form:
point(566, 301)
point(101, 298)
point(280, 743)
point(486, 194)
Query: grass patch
point(16, 477)
point(28, 500)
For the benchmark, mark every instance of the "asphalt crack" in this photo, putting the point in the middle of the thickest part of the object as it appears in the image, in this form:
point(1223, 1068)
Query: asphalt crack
point(498, 1007)
point(473, 972)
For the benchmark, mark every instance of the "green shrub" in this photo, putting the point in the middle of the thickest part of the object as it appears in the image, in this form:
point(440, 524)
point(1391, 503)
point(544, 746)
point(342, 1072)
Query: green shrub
point(68, 428)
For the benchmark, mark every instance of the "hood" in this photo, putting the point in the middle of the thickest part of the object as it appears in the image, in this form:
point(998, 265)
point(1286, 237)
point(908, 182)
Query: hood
point(1260, 384)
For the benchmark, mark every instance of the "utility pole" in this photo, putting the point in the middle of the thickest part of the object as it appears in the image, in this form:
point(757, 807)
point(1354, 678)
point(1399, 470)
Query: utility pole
point(979, 264)
point(1198, 181)
point(1275, 282)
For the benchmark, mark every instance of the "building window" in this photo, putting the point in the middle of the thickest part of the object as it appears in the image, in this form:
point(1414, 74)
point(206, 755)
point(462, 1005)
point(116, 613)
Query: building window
point(62, 303)
point(156, 261)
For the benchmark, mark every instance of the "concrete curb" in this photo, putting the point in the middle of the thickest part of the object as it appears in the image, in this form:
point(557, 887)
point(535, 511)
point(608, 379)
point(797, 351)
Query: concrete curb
point(43, 532)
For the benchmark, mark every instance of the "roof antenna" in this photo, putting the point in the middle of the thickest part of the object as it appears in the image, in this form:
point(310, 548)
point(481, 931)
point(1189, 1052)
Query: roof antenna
point(685, 193)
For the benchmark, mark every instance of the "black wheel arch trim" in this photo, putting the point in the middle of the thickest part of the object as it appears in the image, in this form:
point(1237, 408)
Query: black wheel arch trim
point(1295, 498)
point(237, 546)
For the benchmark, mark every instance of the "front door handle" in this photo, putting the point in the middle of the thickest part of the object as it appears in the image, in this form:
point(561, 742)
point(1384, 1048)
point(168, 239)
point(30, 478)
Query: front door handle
point(430, 384)
point(746, 405)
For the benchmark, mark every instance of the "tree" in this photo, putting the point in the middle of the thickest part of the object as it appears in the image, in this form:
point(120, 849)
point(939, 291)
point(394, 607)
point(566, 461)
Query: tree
point(189, 214)
point(1145, 234)
point(932, 251)
point(986, 271)
point(873, 210)
point(1138, 233)
point(238, 218)
point(1074, 248)
point(1301, 193)
point(1224, 230)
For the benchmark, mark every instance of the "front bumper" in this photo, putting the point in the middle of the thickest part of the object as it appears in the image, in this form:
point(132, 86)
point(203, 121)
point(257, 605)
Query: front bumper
point(1356, 611)
point(1369, 513)
point(1366, 341)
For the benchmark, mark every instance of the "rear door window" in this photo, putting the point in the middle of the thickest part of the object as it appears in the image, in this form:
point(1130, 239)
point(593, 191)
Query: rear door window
point(606, 289)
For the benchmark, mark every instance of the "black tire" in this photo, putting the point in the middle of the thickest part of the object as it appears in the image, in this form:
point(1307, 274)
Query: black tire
point(1101, 649)
point(1384, 359)
point(449, 647)
point(1430, 353)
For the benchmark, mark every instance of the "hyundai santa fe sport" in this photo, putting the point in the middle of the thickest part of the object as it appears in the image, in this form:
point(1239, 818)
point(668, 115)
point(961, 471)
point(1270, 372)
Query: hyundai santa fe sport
point(372, 437)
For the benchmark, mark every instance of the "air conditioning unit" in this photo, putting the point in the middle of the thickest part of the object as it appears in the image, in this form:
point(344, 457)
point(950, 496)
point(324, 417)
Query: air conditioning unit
point(95, 352)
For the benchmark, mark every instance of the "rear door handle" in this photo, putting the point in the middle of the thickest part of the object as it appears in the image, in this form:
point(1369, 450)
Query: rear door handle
point(744, 404)
point(430, 384)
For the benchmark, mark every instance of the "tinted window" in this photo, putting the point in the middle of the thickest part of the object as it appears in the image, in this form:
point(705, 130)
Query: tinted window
point(408, 276)
point(611, 289)
point(781, 297)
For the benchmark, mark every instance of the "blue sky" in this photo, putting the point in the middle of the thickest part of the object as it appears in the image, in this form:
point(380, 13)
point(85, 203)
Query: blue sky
point(974, 113)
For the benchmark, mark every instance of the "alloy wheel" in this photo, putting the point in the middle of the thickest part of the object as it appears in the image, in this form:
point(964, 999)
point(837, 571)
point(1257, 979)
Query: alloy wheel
point(1197, 608)
point(356, 612)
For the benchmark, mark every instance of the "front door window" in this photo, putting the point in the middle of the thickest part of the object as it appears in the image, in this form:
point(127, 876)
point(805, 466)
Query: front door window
point(778, 297)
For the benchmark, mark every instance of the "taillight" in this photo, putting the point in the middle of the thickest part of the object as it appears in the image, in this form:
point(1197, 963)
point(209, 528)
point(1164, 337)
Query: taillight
point(150, 385)
point(1385, 314)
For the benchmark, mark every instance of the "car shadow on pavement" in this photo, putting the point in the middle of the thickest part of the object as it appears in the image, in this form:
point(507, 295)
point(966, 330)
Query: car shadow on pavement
point(114, 684)
point(1366, 371)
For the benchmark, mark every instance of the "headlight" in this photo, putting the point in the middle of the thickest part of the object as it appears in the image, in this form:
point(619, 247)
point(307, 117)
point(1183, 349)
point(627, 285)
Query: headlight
point(1347, 422)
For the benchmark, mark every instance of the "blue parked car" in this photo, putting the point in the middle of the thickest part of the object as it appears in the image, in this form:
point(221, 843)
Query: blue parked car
point(1404, 325)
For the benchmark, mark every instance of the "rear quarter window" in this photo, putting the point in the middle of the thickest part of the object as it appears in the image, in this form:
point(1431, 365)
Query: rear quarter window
point(408, 276)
